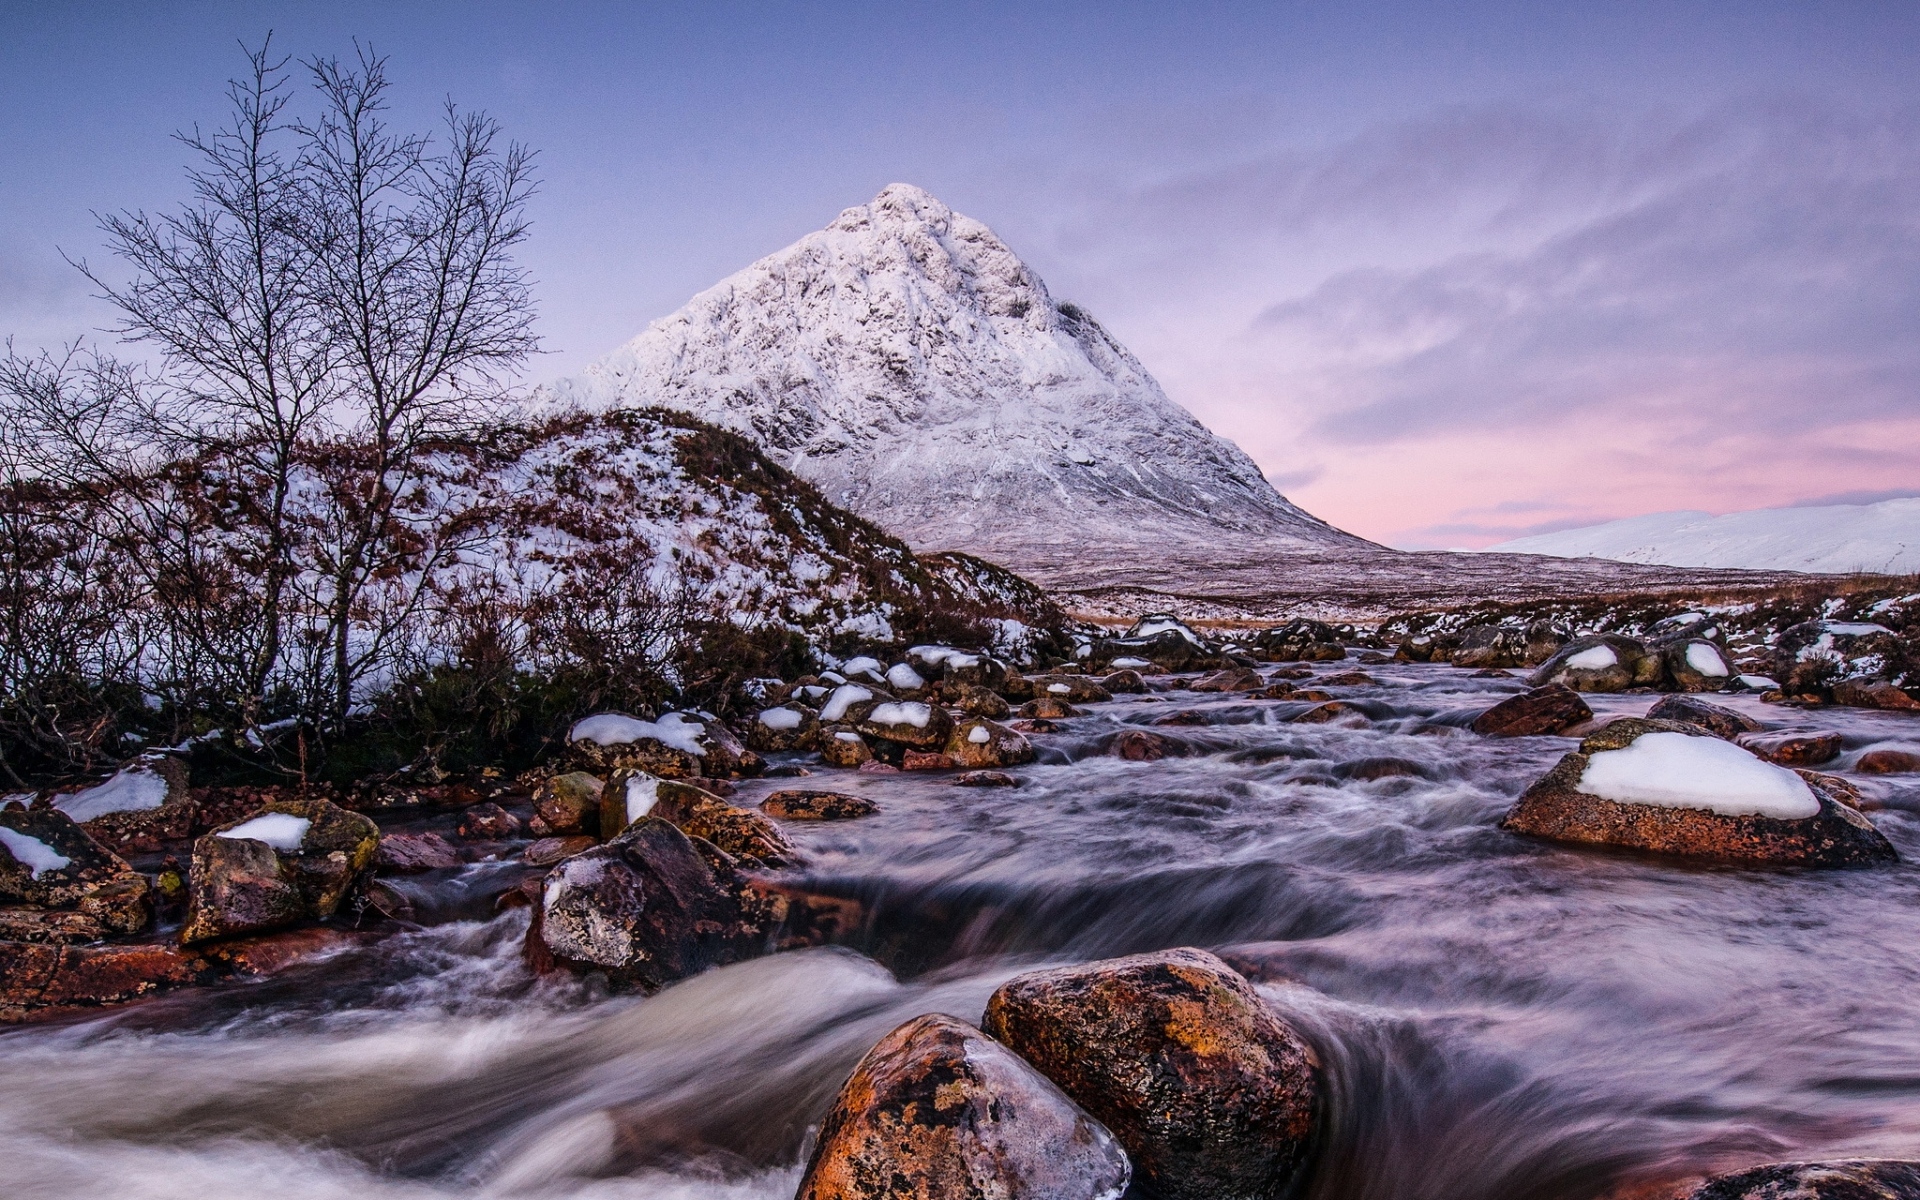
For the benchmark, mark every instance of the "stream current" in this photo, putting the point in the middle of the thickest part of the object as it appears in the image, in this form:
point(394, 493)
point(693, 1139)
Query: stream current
point(1497, 1017)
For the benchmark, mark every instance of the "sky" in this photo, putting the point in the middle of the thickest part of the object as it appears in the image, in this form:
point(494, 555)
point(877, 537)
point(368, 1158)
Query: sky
point(1450, 273)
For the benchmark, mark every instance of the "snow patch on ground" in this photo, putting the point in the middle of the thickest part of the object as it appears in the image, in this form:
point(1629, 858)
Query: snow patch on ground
point(1678, 770)
point(1839, 538)
point(135, 789)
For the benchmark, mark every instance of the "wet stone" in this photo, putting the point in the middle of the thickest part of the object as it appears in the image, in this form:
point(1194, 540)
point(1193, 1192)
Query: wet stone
point(1868, 1179)
point(1541, 711)
point(403, 853)
point(1140, 745)
point(939, 1111)
point(995, 779)
point(1212, 1094)
point(569, 803)
point(1795, 749)
point(488, 823)
point(1717, 719)
point(802, 805)
point(1888, 762)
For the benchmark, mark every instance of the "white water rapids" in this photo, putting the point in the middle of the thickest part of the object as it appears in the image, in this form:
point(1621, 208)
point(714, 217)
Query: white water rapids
point(1499, 1018)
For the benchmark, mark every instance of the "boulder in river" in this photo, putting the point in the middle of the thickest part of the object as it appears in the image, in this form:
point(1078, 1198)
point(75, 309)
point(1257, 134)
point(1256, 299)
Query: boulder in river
point(1602, 663)
point(1300, 640)
point(842, 746)
point(975, 701)
point(1212, 1094)
point(1861, 1179)
point(937, 1110)
point(1141, 745)
point(647, 908)
point(912, 723)
point(1888, 761)
point(48, 861)
point(1874, 693)
point(1795, 749)
point(488, 822)
point(1481, 646)
point(1126, 681)
point(677, 746)
point(569, 803)
point(1697, 664)
point(633, 796)
point(406, 853)
point(802, 805)
point(294, 860)
point(1074, 689)
point(1669, 788)
point(1541, 711)
point(1716, 719)
point(791, 726)
point(1230, 679)
point(1048, 708)
point(978, 745)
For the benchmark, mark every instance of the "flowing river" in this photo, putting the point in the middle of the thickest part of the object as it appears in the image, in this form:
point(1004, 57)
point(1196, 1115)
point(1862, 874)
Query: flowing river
point(1497, 1018)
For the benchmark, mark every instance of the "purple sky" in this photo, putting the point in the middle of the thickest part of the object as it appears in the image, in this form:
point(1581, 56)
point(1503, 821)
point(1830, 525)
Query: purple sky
point(1450, 273)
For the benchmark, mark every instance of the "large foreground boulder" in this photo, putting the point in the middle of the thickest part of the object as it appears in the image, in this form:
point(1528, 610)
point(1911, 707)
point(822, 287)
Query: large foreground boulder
point(294, 860)
point(1213, 1096)
point(1670, 788)
point(939, 1111)
point(647, 908)
point(1866, 1179)
point(1602, 663)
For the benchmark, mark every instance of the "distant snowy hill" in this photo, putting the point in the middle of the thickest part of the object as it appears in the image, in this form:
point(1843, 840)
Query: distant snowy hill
point(907, 363)
point(1883, 537)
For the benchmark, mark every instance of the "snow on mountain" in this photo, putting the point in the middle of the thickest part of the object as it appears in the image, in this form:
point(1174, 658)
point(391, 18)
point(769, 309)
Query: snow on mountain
point(1883, 537)
point(907, 363)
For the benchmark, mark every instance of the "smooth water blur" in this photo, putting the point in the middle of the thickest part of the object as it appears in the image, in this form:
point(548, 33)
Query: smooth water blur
point(1497, 1017)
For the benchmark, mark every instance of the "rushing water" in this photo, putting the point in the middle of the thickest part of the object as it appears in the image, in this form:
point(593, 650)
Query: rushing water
point(1498, 1018)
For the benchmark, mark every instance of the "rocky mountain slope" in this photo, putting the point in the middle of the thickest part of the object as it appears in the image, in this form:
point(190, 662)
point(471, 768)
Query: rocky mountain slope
point(1838, 538)
point(906, 362)
point(909, 364)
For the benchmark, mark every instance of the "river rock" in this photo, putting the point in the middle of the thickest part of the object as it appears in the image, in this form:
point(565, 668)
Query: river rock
point(48, 861)
point(975, 701)
point(1326, 713)
point(294, 860)
point(1602, 663)
point(1074, 689)
point(1047, 708)
point(1697, 664)
point(1210, 1092)
point(1888, 761)
point(544, 852)
point(1170, 649)
point(912, 723)
point(1874, 693)
point(1795, 749)
point(1140, 745)
point(987, 779)
point(1716, 719)
point(144, 805)
point(1814, 657)
point(633, 796)
point(406, 853)
point(1348, 679)
point(800, 805)
point(1230, 679)
point(939, 1111)
point(37, 980)
point(1542, 711)
point(644, 909)
point(784, 727)
point(569, 803)
point(927, 760)
point(843, 747)
point(488, 823)
point(1126, 681)
point(1863, 1179)
point(1480, 646)
point(1667, 797)
point(1300, 640)
point(978, 745)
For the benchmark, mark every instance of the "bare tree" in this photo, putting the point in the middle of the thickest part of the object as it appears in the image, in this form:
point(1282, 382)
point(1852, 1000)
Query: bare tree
point(225, 289)
point(423, 300)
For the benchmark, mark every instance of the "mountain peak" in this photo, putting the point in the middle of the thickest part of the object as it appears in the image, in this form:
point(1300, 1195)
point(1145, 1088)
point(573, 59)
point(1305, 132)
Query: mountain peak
point(906, 361)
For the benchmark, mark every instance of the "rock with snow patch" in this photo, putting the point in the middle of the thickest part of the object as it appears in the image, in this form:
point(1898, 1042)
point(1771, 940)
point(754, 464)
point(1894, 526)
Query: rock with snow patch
point(294, 860)
point(842, 746)
point(937, 1110)
point(1697, 665)
point(1541, 711)
point(633, 796)
point(1212, 1094)
point(1857, 663)
point(977, 744)
point(145, 804)
point(848, 703)
point(784, 727)
point(1479, 646)
point(1601, 663)
point(912, 723)
point(1671, 788)
point(1074, 689)
point(49, 861)
point(647, 908)
point(674, 747)
point(1717, 719)
point(806, 805)
point(1171, 649)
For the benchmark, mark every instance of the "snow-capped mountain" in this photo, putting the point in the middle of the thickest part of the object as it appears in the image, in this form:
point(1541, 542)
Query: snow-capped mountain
point(1839, 538)
point(910, 365)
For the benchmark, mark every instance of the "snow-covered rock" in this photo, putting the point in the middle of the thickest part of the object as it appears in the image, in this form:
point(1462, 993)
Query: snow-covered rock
point(908, 363)
point(1838, 538)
